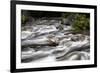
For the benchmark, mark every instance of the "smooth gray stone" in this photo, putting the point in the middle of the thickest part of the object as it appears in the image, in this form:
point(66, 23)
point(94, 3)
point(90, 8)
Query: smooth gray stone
point(72, 50)
point(25, 34)
point(39, 42)
point(76, 55)
point(33, 56)
point(80, 46)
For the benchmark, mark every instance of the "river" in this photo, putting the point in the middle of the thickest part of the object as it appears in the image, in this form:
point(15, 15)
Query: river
point(50, 40)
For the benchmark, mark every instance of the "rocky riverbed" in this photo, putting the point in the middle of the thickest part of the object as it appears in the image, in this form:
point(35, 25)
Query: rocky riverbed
point(50, 40)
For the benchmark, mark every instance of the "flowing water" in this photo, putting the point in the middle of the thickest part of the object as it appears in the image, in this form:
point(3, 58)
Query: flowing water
point(47, 41)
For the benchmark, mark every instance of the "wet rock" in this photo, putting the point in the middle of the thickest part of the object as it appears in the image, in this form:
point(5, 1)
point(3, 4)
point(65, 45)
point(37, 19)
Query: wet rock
point(28, 49)
point(45, 48)
point(76, 46)
point(41, 41)
point(66, 42)
point(47, 29)
point(79, 55)
point(59, 50)
point(34, 56)
point(25, 34)
point(49, 37)
point(26, 28)
point(76, 55)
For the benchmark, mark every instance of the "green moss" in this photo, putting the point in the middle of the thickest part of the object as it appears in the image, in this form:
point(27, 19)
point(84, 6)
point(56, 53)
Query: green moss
point(24, 19)
point(81, 23)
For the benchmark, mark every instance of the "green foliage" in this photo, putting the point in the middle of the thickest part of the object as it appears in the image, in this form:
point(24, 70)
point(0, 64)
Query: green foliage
point(81, 23)
point(24, 19)
point(65, 15)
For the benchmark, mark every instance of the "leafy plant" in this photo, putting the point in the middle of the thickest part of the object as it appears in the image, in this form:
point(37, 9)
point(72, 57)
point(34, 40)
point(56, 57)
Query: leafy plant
point(65, 15)
point(24, 19)
point(81, 23)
